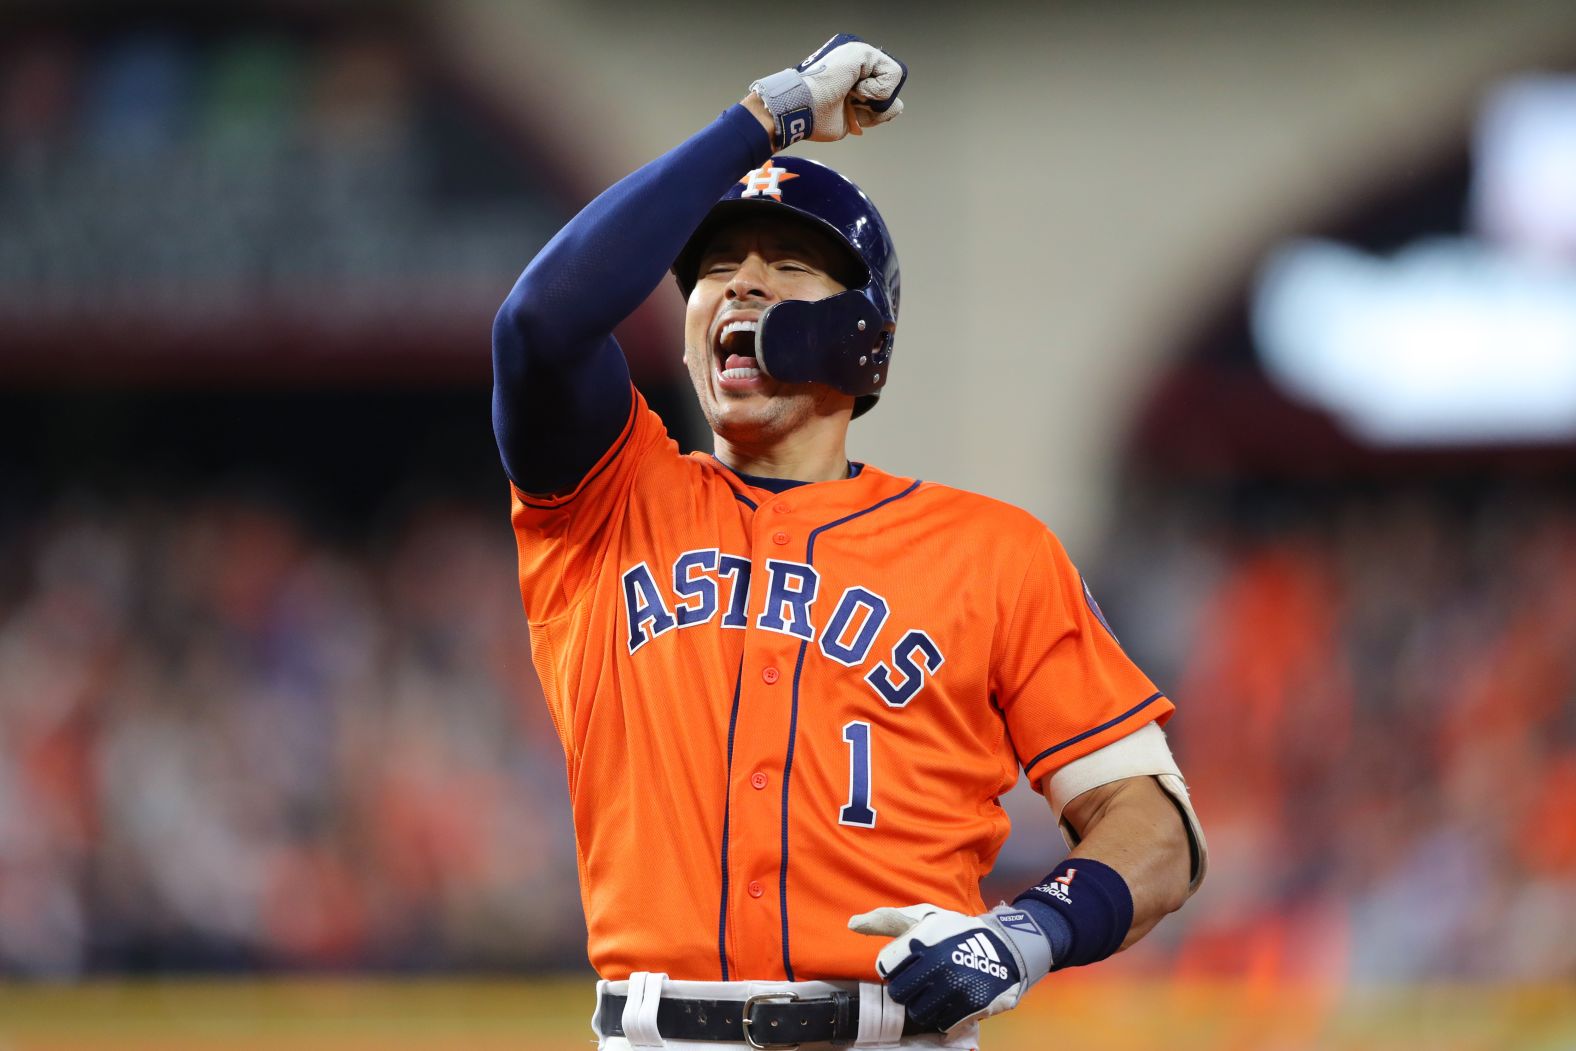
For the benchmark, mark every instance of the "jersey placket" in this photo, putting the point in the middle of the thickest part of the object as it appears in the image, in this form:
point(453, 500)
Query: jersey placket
point(760, 799)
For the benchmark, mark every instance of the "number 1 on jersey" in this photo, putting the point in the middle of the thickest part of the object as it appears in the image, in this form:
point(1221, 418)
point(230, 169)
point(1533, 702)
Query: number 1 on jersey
point(858, 811)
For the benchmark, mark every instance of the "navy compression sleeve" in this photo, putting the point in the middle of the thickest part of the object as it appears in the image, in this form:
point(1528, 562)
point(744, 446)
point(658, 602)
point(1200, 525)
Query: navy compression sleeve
point(560, 384)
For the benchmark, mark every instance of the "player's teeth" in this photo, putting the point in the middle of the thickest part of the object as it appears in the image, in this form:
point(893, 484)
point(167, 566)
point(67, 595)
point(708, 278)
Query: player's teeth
point(740, 374)
point(736, 333)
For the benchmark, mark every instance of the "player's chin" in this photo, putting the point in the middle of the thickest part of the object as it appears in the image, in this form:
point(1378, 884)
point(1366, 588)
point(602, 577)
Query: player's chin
point(749, 417)
point(734, 415)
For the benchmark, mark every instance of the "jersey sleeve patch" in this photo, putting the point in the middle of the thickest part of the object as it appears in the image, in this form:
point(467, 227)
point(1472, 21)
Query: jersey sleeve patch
point(1094, 607)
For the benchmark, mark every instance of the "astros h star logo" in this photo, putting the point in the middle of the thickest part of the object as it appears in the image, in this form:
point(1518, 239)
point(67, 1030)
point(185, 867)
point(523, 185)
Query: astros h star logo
point(765, 180)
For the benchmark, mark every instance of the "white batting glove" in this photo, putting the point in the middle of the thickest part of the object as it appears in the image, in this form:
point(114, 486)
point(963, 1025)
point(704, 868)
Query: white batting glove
point(846, 84)
point(949, 969)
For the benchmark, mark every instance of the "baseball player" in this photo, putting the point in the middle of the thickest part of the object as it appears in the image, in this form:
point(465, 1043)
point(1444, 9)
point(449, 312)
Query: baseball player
point(791, 688)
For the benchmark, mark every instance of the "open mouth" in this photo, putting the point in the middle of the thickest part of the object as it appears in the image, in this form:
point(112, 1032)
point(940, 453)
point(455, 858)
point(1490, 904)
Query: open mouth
point(735, 350)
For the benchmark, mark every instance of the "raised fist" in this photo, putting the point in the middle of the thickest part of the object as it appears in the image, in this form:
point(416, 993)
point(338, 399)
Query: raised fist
point(844, 85)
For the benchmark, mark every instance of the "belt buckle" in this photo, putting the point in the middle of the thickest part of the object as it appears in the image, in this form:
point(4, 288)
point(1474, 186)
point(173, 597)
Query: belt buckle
point(749, 1037)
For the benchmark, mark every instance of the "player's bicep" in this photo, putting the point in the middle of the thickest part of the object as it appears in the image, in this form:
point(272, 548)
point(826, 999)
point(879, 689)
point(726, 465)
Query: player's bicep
point(564, 537)
point(555, 419)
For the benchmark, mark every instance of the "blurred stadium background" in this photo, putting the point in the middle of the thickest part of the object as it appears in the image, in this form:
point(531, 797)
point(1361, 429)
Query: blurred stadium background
point(1268, 309)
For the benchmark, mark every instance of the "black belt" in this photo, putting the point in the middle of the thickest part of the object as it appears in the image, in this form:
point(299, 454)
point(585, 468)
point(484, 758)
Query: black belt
point(767, 1020)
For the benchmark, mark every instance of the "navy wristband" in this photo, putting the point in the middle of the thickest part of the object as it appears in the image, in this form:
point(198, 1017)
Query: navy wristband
point(1094, 901)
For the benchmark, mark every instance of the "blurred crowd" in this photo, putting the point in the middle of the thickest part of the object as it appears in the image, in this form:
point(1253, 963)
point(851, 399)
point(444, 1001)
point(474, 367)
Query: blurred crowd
point(231, 739)
point(1377, 717)
point(199, 177)
point(228, 741)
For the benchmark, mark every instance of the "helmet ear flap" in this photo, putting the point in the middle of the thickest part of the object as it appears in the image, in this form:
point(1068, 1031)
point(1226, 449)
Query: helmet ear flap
point(841, 341)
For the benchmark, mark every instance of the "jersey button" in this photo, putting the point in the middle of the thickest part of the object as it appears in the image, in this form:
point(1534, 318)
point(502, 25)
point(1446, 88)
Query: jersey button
point(758, 779)
point(781, 507)
point(779, 538)
point(755, 888)
point(769, 675)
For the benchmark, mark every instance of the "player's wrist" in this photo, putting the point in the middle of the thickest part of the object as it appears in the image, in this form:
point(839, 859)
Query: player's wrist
point(1093, 904)
point(789, 106)
point(757, 109)
point(1054, 930)
point(1031, 938)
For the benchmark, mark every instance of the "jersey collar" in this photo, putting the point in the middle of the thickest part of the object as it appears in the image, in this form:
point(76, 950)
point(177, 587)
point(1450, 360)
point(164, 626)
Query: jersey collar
point(864, 486)
point(780, 485)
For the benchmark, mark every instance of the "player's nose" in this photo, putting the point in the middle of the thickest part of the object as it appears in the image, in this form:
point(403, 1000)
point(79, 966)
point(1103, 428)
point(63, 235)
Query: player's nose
point(750, 279)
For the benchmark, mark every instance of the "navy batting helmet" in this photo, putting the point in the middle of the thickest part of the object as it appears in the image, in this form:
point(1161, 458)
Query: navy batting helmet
point(845, 340)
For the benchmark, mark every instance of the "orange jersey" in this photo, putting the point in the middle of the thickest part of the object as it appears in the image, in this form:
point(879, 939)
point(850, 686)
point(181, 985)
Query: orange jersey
point(782, 709)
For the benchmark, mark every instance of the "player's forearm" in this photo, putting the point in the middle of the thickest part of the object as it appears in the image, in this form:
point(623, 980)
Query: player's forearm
point(1136, 829)
point(608, 259)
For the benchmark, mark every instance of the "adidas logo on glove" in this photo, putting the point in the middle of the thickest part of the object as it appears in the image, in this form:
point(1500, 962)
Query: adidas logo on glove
point(979, 954)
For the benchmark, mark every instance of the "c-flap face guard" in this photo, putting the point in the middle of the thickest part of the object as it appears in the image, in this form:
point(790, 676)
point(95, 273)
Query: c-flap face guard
point(841, 341)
